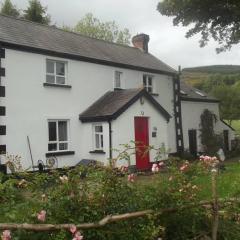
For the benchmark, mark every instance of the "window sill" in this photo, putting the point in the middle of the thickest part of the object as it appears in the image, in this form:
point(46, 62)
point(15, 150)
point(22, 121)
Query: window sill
point(154, 94)
point(98, 152)
point(63, 153)
point(56, 85)
point(118, 89)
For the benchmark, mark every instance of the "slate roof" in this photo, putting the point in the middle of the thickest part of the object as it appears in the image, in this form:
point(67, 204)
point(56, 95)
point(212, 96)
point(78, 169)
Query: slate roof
point(114, 103)
point(189, 93)
point(36, 37)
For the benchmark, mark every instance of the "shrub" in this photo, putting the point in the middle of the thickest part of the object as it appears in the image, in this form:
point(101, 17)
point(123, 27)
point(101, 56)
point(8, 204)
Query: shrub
point(69, 198)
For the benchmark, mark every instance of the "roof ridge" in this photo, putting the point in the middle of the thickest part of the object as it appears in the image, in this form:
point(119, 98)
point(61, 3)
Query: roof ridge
point(67, 32)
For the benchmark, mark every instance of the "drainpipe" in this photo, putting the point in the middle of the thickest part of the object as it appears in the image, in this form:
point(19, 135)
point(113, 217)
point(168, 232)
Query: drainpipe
point(110, 139)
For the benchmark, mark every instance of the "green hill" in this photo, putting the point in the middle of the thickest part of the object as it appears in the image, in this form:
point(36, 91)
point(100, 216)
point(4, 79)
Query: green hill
point(207, 78)
point(196, 76)
point(213, 69)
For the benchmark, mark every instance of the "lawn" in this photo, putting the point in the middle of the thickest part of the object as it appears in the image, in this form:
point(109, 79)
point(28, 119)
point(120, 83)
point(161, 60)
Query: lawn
point(228, 181)
point(236, 126)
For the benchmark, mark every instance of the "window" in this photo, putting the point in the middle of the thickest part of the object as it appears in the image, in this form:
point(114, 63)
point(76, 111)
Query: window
point(200, 93)
point(118, 80)
point(183, 92)
point(148, 83)
point(98, 137)
point(56, 72)
point(58, 139)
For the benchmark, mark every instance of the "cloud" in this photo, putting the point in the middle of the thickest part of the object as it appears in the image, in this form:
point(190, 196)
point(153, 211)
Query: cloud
point(167, 42)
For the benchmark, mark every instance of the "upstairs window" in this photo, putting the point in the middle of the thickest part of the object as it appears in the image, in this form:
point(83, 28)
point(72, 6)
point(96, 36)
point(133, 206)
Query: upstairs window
point(98, 137)
point(58, 139)
point(56, 72)
point(118, 80)
point(200, 93)
point(148, 83)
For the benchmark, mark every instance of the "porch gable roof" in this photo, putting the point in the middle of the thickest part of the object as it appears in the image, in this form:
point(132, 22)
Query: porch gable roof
point(113, 103)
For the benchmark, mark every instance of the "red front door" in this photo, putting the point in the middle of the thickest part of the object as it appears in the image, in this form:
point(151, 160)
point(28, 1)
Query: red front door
point(142, 142)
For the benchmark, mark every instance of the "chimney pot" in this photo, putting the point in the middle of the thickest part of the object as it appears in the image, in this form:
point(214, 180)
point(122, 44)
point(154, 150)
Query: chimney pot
point(141, 41)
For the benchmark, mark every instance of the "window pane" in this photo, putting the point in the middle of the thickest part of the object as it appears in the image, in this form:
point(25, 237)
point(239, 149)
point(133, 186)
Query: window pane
point(50, 79)
point(52, 131)
point(144, 80)
point(150, 81)
point(60, 68)
point(62, 131)
point(97, 142)
point(117, 79)
point(60, 80)
point(98, 129)
point(117, 83)
point(149, 89)
point(63, 146)
point(52, 147)
point(101, 141)
point(50, 66)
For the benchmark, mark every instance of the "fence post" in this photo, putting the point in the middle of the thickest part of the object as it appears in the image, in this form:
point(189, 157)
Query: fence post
point(215, 204)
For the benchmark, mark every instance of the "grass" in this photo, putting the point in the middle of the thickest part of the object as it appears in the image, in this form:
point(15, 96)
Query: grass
point(236, 126)
point(228, 182)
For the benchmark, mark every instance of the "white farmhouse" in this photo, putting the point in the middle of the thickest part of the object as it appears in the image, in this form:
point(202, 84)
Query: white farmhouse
point(73, 97)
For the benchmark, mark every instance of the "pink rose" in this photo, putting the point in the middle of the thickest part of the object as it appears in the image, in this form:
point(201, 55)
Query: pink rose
point(41, 216)
point(6, 235)
point(131, 177)
point(78, 236)
point(73, 229)
point(184, 167)
point(161, 164)
point(155, 168)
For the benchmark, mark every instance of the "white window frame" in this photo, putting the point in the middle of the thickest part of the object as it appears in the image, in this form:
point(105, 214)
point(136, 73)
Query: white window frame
point(100, 136)
point(200, 93)
point(121, 79)
point(55, 61)
point(147, 85)
point(57, 135)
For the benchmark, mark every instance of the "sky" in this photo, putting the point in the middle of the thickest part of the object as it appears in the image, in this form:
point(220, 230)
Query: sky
point(167, 42)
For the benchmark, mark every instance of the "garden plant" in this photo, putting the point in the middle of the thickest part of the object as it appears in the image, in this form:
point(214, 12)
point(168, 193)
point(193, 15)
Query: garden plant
point(98, 202)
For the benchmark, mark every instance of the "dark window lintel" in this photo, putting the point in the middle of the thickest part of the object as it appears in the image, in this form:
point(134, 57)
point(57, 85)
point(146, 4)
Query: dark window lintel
point(98, 152)
point(56, 85)
point(61, 153)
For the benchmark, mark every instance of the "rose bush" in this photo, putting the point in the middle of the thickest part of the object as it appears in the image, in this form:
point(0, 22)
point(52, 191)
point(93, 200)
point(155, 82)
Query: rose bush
point(69, 196)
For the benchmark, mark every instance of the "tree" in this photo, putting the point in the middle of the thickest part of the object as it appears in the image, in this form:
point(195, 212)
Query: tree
point(108, 31)
point(229, 97)
point(9, 9)
point(217, 19)
point(209, 139)
point(36, 12)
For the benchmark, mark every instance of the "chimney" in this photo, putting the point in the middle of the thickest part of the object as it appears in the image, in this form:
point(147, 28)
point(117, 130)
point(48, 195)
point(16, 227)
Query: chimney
point(141, 41)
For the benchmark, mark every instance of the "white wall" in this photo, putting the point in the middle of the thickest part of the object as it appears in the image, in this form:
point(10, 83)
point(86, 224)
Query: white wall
point(191, 112)
point(29, 104)
point(123, 128)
